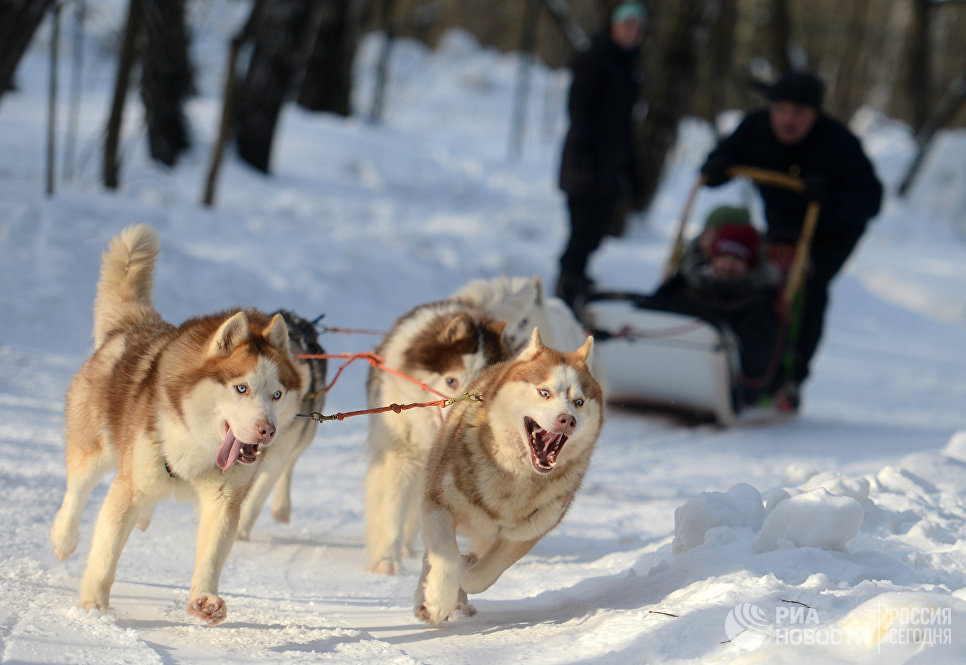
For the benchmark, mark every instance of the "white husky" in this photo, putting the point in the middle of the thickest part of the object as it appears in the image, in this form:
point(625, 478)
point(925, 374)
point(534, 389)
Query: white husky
point(503, 473)
point(184, 410)
point(443, 345)
point(523, 304)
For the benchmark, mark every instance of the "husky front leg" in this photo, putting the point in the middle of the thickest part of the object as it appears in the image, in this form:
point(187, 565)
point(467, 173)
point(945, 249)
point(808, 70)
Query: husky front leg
point(114, 524)
point(413, 510)
point(282, 493)
point(482, 573)
point(273, 462)
point(439, 584)
point(389, 483)
point(217, 526)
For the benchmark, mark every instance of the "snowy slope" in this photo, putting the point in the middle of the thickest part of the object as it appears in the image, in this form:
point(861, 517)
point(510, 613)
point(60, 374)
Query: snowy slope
point(835, 537)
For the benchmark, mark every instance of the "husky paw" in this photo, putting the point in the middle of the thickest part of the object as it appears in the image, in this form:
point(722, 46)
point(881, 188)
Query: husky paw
point(433, 615)
point(441, 596)
point(63, 539)
point(209, 608)
point(94, 606)
point(383, 567)
point(61, 550)
point(463, 604)
point(282, 515)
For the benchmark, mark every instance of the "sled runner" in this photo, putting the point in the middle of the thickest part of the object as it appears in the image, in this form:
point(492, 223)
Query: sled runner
point(678, 362)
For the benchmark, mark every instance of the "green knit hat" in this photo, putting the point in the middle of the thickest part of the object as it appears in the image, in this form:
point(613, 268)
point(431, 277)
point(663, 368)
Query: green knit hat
point(727, 216)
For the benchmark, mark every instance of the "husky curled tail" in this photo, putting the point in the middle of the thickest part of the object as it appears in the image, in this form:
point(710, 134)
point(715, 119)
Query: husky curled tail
point(124, 291)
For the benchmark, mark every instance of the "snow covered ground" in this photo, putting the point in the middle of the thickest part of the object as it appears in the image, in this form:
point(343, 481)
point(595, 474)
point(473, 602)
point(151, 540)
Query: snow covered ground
point(835, 537)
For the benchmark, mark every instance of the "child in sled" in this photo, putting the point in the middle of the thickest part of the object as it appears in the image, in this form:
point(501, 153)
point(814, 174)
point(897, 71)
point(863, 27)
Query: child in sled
point(726, 278)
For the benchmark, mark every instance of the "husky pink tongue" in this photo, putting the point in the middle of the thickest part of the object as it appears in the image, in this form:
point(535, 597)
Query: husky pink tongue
point(228, 451)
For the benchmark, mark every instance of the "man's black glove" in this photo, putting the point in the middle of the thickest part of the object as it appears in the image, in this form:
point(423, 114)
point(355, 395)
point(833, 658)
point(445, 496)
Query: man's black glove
point(715, 170)
point(816, 187)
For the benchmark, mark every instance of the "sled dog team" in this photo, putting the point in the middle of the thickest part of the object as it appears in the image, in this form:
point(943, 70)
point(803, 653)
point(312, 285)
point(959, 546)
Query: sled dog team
point(206, 411)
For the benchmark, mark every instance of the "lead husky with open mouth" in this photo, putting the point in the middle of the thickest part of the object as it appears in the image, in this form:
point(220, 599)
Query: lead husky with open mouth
point(184, 410)
point(503, 473)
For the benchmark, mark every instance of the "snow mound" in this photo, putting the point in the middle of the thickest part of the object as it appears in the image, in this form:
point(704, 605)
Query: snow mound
point(740, 506)
point(816, 518)
point(956, 448)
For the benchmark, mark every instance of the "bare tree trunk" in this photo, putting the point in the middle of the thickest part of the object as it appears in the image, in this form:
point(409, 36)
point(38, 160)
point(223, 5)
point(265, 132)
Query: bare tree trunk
point(954, 100)
point(225, 125)
point(52, 102)
point(76, 85)
point(560, 12)
point(919, 70)
point(283, 37)
point(18, 22)
point(382, 66)
point(521, 92)
point(779, 33)
point(165, 78)
point(670, 84)
point(847, 88)
point(722, 55)
point(327, 85)
point(125, 63)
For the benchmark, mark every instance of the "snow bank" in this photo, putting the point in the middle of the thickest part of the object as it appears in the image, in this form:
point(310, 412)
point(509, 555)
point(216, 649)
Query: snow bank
point(739, 507)
point(816, 518)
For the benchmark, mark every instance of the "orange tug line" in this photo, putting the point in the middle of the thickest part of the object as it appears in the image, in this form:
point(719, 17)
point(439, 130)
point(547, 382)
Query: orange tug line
point(377, 362)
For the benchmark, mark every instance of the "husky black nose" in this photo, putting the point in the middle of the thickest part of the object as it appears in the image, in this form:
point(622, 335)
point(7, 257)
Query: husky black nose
point(566, 424)
point(264, 432)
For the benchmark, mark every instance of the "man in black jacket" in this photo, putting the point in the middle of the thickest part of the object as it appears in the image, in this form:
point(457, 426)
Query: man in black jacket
point(794, 136)
point(598, 151)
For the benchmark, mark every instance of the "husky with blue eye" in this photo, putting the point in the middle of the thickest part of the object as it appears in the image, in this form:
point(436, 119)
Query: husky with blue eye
point(184, 410)
point(502, 473)
point(442, 345)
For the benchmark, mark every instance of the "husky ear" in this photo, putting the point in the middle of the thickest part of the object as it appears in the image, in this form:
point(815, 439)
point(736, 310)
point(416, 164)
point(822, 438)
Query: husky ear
point(277, 333)
point(538, 286)
point(232, 332)
point(586, 352)
point(459, 328)
point(496, 327)
point(533, 347)
point(520, 296)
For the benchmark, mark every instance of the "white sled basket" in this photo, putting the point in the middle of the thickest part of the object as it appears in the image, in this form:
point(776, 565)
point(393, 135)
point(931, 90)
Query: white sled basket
point(664, 360)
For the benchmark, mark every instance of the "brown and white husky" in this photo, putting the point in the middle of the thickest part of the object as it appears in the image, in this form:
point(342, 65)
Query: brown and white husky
point(443, 345)
point(184, 410)
point(503, 472)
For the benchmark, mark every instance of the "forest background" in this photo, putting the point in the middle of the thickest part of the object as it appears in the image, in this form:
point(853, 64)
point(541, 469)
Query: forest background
point(903, 58)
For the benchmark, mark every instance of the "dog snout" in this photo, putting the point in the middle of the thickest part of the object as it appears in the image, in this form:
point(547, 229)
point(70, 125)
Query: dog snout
point(566, 423)
point(264, 432)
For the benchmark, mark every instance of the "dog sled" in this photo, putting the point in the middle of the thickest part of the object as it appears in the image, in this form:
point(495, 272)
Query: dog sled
point(675, 362)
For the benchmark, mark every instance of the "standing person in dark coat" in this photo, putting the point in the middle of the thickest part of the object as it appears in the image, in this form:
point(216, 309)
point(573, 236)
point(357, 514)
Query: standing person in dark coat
point(597, 156)
point(794, 136)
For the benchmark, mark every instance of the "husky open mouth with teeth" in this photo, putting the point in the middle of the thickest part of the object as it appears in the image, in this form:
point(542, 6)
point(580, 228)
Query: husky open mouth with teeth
point(501, 487)
point(187, 410)
point(545, 445)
